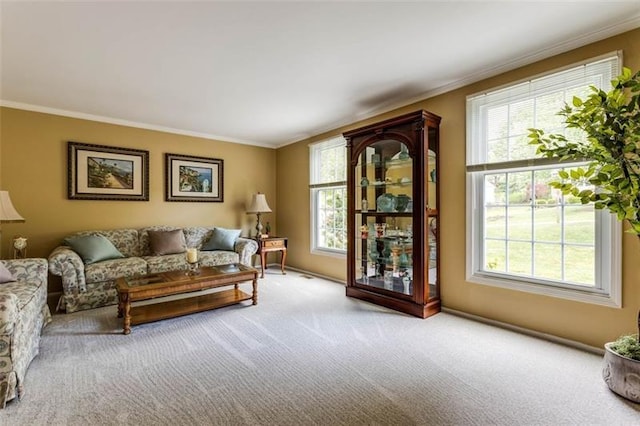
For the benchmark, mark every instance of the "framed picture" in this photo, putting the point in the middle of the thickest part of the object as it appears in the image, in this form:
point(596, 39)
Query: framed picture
point(97, 172)
point(189, 178)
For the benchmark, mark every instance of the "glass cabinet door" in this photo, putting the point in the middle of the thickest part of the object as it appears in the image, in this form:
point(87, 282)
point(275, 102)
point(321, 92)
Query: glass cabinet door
point(432, 231)
point(384, 217)
point(393, 215)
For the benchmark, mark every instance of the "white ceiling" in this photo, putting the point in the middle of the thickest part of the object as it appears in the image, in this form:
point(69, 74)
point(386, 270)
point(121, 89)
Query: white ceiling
point(271, 73)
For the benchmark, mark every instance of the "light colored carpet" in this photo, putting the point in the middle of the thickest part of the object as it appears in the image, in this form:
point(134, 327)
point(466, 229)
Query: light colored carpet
point(305, 355)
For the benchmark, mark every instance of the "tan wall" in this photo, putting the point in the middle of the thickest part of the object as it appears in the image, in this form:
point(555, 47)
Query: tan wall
point(33, 169)
point(582, 322)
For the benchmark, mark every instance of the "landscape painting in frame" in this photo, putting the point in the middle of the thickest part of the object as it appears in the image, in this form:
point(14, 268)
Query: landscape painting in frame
point(98, 172)
point(189, 178)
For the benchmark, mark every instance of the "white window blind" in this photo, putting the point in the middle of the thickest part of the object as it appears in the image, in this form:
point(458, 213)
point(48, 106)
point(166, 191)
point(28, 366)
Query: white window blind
point(498, 121)
point(523, 233)
point(328, 194)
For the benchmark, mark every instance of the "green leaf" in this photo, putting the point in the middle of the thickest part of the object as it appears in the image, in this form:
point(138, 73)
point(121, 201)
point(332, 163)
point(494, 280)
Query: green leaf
point(604, 127)
point(586, 193)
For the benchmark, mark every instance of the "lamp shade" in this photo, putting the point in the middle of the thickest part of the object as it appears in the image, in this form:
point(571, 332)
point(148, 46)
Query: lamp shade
point(8, 213)
point(259, 204)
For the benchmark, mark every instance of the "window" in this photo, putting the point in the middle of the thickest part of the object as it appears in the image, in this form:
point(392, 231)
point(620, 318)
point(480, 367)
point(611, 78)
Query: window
point(328, 166)
point(523, 233)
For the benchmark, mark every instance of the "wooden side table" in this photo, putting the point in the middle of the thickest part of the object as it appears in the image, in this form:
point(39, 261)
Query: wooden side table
point(269, 244)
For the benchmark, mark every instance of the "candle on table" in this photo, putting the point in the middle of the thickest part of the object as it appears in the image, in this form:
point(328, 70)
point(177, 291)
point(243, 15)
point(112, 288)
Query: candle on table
point(192, 255)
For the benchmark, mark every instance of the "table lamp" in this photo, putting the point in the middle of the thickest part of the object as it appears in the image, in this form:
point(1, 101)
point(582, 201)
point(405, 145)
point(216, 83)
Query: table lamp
point(258, 206)
point(8, 213)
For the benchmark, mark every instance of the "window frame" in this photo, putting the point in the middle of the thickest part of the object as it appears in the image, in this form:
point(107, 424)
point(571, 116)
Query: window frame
point(608, 230)
point(315, 189)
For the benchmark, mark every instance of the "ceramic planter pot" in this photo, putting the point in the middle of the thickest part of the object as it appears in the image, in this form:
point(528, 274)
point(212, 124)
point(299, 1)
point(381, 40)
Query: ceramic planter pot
point(621, 374)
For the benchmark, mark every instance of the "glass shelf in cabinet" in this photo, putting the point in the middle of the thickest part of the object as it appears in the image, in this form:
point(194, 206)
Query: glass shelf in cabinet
point(398, 183)
point(398, 162)
point(383, 214)
point(376, 164)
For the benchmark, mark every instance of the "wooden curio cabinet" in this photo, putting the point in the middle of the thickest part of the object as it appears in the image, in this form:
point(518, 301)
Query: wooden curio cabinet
point(392, 193)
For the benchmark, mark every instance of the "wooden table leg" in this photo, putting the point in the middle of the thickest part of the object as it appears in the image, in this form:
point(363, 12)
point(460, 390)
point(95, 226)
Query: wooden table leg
point(284, 257)
point(127, 315)
point(254, 297)
point(120, 303)
point(263, 261)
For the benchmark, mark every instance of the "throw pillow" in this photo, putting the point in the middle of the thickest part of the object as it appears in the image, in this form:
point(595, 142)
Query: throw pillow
point(93, 248)
point(5, 275)
point(222, 239)
point(167, 242)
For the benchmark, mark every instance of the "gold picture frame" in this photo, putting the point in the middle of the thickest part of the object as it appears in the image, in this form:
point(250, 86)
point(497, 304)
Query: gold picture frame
point(99, 172)
point(194, 179)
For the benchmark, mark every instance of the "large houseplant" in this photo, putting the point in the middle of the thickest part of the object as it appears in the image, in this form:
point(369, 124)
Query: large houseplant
point(611, 146)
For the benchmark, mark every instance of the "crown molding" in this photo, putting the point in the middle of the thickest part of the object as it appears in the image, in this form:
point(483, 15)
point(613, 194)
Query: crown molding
point(127, 123)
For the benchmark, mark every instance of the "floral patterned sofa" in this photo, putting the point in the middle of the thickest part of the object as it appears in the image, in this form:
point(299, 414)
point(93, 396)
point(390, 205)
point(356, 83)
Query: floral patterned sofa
point(93, 285)
point(23, 315)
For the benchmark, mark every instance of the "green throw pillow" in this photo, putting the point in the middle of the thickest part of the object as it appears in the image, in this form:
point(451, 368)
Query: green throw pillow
point(93, 248)
point(222, 239)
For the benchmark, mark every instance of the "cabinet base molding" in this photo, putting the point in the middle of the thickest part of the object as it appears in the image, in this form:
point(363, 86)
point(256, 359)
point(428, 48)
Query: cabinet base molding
point(406, 306)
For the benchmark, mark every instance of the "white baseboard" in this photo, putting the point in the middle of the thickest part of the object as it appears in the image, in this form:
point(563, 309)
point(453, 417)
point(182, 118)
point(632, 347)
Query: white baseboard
point(313, 274)
point(522, 330)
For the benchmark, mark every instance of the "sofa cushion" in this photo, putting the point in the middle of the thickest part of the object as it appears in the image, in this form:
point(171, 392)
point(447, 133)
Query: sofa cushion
point(218, 257)
point(5, 275)
point(115, 268)
point(168, 262)
point(143, 237)
point(93, 248)
point(197, 235)
point(222, 239)
point(167, 242)
point(125, 240)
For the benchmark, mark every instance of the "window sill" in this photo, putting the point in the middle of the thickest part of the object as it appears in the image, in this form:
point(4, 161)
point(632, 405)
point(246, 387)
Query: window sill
point(585, 296)
point(329, 253)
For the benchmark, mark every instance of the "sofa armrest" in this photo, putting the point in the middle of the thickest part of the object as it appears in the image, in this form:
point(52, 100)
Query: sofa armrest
point(66, 264)
point(31, 270)
point(25, 271)
point(246, 248)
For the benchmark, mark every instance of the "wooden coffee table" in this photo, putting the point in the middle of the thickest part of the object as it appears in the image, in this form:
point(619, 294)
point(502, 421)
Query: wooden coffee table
point(145, 287)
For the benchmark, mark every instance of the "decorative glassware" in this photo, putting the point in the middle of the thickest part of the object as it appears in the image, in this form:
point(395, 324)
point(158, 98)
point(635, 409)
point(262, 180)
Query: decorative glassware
point(402, 201)
point(386, 203)
point(365, 277)
point(404, 154)
point(403, 259)
point(388, 280)
point(406, 284)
